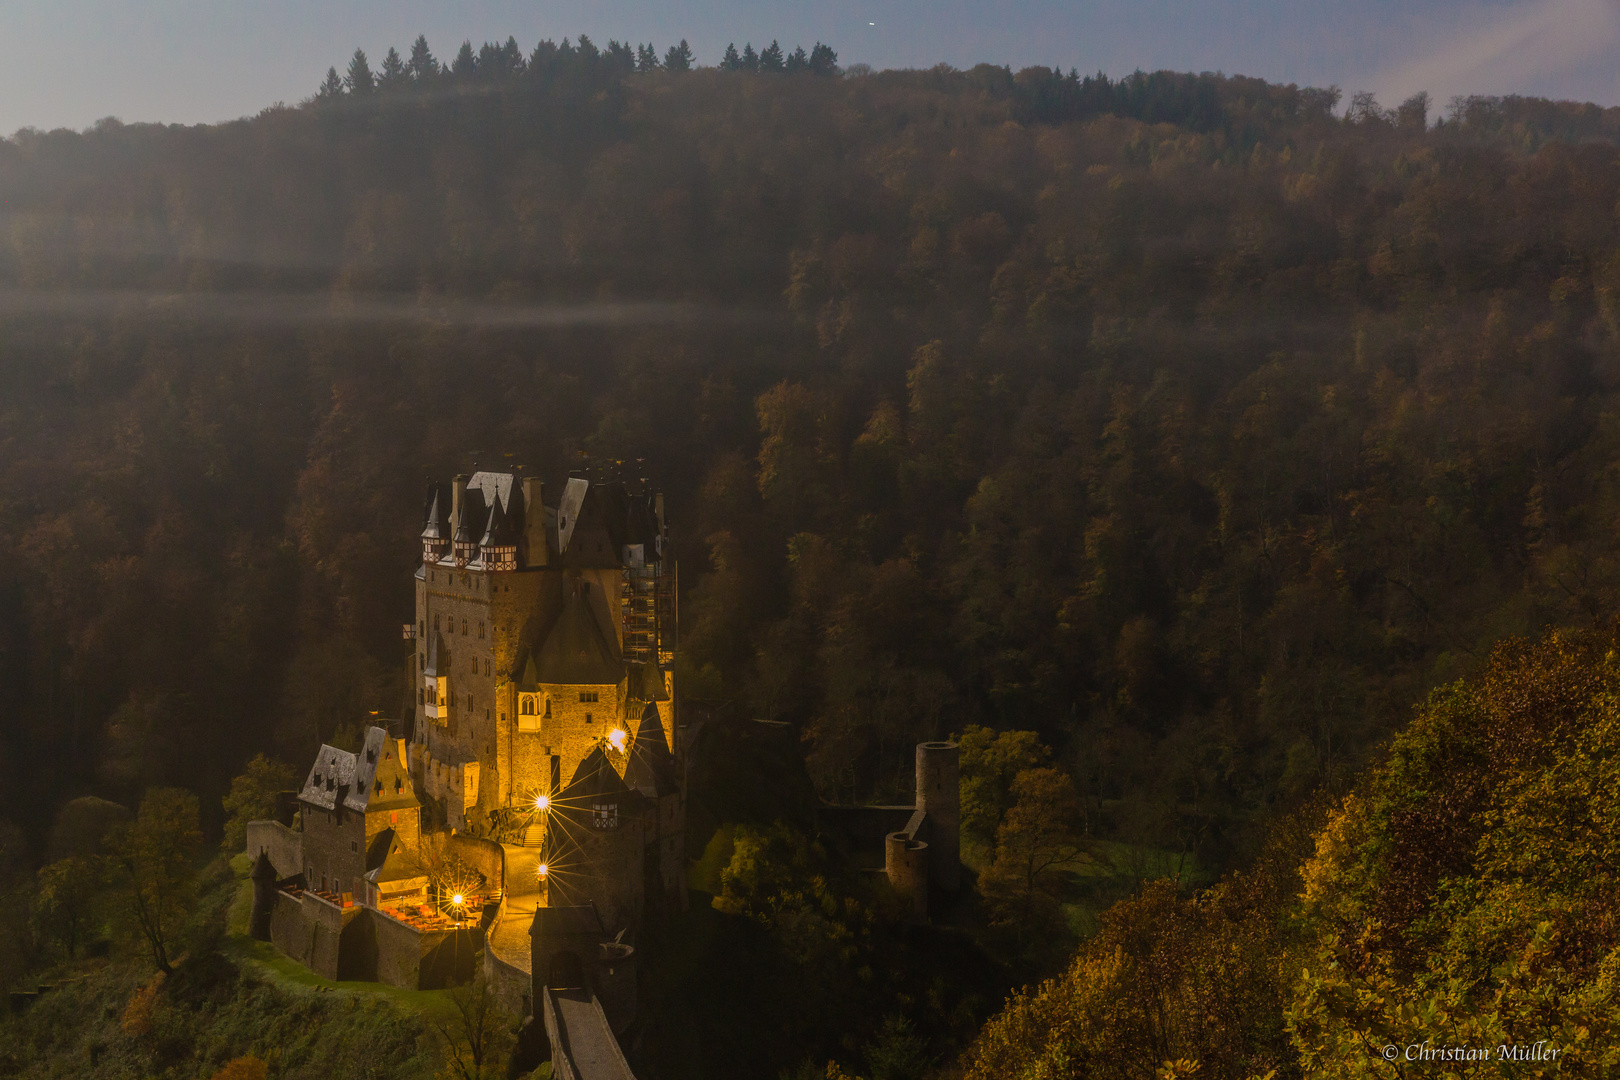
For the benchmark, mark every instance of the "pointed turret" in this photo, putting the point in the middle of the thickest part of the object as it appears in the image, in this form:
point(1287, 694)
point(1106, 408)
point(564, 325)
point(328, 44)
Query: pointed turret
point(436, 525)
point(651, 770)
point(499, 542)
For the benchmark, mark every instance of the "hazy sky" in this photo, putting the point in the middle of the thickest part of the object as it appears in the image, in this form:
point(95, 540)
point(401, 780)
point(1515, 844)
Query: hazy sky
point(71, 62)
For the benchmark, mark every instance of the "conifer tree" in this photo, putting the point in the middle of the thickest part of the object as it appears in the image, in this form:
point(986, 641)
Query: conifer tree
point(589, 54)
point(332, 88)
point(543, 59)
point(621, 57)
point(679, 57)
point(465, 62)
point(823, 61)
point(421, 67)
point(392, 74)
point(750, 58)
point(770, 59)
point(359, 81)
point(647, 58)
point(731, 61)
point(512, 56)
point(797, 60)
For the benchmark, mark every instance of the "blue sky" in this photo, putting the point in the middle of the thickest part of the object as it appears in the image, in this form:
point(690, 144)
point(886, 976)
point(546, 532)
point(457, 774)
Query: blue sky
point(71, 62)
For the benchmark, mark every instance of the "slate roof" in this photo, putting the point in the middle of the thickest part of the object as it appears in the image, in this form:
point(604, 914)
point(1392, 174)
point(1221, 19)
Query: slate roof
point(568, 509)
point(474, 516)
point(387, 860)
point(438, 657)
point(371, 780)
point(499, 532)
point(647, 683)
point(576, 652)
point(559, 922)
point(595, 778)
point(436, 514)
point(495, 488)
point(529, 681)
point(651, 770)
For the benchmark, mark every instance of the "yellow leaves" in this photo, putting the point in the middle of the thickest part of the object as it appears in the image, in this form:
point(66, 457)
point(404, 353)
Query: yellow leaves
point(141, 1009)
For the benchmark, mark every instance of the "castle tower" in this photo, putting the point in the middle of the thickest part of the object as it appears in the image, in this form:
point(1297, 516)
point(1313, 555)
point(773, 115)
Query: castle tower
point(938, 795)
point(541, 631)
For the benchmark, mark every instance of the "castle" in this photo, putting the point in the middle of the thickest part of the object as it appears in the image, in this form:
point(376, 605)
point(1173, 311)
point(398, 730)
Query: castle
point(532, 811)
point(541, 770)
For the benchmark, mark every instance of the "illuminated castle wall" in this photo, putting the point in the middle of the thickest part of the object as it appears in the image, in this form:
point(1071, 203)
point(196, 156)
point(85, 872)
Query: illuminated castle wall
point(542, 634)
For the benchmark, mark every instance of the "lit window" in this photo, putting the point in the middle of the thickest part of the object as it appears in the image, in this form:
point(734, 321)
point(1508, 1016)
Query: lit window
point(605, 815)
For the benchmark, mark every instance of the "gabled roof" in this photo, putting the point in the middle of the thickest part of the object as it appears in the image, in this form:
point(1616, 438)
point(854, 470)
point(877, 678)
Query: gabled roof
point(576, 652)
point(387, 860)
point(651, 770)
point(595, 778)
point(373, 779)
point(647, 683)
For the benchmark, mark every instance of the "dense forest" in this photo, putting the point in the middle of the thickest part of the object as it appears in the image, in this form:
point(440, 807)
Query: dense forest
point(1183, 422)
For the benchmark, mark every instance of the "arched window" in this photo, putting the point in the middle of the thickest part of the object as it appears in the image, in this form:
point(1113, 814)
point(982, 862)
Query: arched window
point(548, 708)
point(528, 705)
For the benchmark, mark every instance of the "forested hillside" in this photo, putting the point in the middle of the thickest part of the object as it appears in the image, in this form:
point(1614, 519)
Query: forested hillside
point(1177, 419)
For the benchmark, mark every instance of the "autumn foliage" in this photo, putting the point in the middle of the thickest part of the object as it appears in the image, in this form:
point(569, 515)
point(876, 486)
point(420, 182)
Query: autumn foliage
point(1466, 892)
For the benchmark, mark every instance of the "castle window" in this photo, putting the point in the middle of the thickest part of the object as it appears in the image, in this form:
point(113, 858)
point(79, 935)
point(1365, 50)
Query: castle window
point(480, 628)
point(486, 665)
point(463, 627)
point(548, 708)
point(605, 815)
point(528, 705)
point(435, 624)
point(587, 718)
point(421, 697)
point(587, 696)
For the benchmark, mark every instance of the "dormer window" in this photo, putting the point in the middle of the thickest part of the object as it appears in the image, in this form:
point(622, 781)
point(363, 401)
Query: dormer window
point(317, 779)
point(605, 815)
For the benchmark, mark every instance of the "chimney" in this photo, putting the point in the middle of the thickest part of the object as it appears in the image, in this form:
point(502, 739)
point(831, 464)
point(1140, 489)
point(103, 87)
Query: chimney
point(536, 551)
point(458, 497)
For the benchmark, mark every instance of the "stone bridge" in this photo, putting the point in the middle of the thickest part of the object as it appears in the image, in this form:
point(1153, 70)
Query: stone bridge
point(582, 1043)
point(583, 1046)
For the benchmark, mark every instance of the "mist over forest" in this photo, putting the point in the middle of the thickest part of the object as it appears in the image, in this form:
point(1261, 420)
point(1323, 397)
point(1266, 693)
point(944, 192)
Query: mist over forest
point(1199, 425)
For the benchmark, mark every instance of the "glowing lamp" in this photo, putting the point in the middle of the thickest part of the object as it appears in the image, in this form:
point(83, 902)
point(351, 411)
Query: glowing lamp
point(458, 899)
point(617, 737)
point(542, 802)
point(541, 870)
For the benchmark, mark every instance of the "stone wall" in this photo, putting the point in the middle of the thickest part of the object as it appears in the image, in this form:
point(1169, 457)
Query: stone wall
point(284, 846)
point(511, 985)
point(334, 844)
point(860, 830)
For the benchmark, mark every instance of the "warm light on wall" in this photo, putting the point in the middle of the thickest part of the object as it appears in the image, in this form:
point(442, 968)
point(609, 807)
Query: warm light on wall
point(617, 737)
